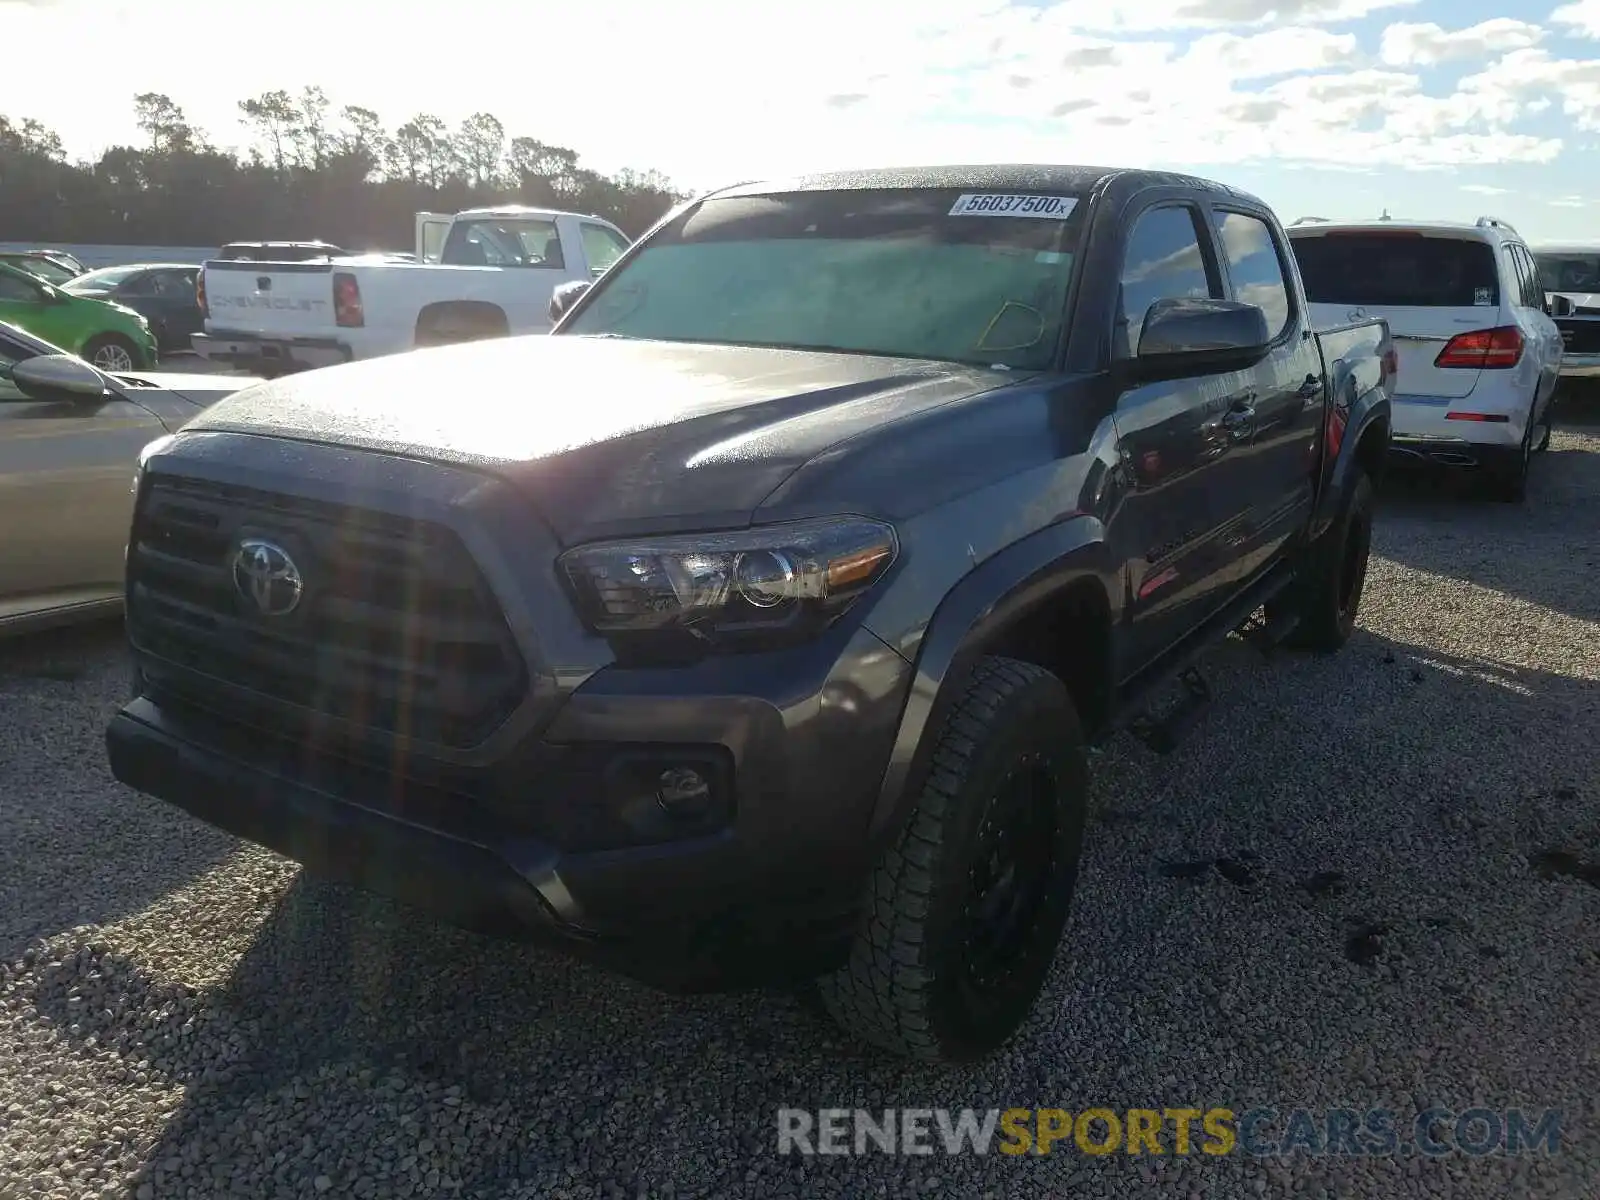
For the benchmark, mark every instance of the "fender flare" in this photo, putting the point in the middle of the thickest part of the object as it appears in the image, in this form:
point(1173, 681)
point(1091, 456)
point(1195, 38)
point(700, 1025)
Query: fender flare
point(985, 601)
point(1371, 408)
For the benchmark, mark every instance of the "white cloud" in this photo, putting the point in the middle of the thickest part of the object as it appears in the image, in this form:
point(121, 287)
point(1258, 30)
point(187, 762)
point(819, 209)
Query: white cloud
point(742, 90)
point(1405, 45)
point(1568, 202)
point(1484, 189)
point(1278, 52)
point(1582, 17)
point(1526, 77)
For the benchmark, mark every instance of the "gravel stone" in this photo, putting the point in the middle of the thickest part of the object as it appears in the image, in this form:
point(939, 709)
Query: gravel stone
point(184, 1015)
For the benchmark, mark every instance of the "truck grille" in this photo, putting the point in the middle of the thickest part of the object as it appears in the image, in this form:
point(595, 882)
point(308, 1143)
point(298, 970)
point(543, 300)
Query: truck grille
point(395, 630)
point(1580, 336)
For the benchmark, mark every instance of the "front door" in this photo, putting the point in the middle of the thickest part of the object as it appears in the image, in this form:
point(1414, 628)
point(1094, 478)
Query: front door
point(66, 475)
point(1180, 524)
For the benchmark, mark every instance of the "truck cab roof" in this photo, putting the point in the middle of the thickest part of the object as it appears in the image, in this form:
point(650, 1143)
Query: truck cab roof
point(1010, 177)
point(519, 210)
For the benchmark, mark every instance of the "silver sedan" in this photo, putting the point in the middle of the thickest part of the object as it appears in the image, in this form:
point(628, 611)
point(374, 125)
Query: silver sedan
point(68, 446)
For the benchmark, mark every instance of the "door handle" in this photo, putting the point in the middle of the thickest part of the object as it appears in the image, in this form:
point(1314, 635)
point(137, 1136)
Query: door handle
point(1310, 388)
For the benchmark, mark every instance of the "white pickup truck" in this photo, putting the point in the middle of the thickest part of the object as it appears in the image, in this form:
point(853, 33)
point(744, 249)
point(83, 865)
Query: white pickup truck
point(486, 272)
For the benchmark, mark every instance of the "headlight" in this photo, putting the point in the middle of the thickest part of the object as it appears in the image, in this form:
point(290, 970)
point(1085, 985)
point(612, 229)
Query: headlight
point(145, 455)
point(730, 590)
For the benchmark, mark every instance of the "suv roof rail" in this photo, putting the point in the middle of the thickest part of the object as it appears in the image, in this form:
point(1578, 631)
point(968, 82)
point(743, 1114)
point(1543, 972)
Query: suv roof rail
point(1497, 223)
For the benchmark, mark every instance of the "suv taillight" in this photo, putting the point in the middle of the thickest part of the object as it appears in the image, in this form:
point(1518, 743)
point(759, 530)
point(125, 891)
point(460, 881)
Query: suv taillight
point(1491, 348)
point(347, 312)
point(200, 295)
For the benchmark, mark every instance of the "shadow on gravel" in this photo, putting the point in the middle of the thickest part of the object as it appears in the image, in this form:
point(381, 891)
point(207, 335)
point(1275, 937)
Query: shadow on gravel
point(350, 1021)
point(79, 848)
point(1545, 550)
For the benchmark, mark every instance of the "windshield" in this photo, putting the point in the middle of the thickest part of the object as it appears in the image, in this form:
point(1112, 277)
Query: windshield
point(105, 278)
point(1569, 272)
point(935, 274)
point(1399, 270)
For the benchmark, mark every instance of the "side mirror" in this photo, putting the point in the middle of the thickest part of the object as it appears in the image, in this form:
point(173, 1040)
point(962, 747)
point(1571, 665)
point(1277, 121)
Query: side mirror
point(55, 377)
point(565, 296)
point(1560, 306)
point(1200, 335)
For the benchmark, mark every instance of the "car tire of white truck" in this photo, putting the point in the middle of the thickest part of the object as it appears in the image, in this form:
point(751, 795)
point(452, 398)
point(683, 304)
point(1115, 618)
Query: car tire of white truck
point(1009, 782)
point(1508, 482)
point(460, 321)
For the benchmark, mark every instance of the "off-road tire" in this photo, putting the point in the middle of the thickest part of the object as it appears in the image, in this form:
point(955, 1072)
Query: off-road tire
point(906, 988)
point(1327, 595)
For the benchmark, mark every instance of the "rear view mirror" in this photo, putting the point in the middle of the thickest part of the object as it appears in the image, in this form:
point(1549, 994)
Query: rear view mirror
point(55, 377)
point(1200, 334)
point(565, 296)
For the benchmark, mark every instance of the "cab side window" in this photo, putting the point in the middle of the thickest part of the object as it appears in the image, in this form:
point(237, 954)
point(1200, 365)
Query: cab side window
point(1255, 266)
point(601, 247)
point(1164, 261)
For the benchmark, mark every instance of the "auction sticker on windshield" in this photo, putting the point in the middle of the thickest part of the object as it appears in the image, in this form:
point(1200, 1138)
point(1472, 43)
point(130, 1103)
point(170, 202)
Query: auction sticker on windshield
point(991, 204)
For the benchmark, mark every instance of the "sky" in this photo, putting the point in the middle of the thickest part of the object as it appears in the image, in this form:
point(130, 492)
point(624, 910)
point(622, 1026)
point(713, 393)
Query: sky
point(1333, 108)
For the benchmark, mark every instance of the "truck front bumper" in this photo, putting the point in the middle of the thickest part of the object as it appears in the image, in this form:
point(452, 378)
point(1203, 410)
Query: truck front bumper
point(270, 356)
point(771, 894)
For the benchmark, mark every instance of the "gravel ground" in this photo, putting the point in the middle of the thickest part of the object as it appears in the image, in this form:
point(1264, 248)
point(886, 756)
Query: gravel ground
point(185, 1016)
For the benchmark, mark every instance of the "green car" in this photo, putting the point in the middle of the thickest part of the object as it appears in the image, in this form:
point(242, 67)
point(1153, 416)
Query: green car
point(110, 336)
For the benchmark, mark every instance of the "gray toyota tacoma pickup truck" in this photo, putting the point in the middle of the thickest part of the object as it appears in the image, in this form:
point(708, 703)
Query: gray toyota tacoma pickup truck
point(749, 629)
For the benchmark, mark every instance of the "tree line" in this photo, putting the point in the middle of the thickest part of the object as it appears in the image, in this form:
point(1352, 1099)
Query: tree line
point(308, 171)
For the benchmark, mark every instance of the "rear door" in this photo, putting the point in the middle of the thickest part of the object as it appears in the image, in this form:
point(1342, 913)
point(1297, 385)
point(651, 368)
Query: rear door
point(1543, 355)
point(173, 307)
point(1431, 286)
point(270, 299)
point(1277, 450)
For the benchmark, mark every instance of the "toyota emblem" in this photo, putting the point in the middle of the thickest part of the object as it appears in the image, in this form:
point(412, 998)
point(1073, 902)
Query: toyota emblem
point(265, 575)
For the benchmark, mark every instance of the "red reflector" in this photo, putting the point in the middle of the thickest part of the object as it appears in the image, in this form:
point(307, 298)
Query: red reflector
point(1483, 349)
point(1466, 416)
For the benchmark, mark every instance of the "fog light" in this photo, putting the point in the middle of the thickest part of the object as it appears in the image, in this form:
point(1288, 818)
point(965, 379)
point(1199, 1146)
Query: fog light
point(683, 792)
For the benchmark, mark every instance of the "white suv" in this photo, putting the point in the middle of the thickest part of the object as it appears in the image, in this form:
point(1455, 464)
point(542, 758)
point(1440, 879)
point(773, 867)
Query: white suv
point(1479, 353)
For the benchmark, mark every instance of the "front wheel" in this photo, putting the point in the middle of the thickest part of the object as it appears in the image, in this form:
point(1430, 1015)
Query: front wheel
point(112, 353)
point(966, 909)
point(1326, 597)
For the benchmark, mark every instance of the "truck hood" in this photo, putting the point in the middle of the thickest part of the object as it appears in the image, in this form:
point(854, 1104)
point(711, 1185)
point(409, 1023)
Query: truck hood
point(606, 435)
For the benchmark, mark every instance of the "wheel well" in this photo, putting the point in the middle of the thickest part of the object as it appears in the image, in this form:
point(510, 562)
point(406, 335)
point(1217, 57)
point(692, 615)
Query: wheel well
point(477, 315)
point(1069, 635)
point(1372, 449)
